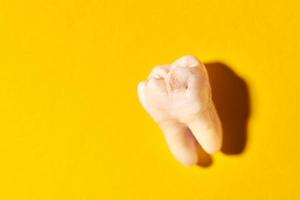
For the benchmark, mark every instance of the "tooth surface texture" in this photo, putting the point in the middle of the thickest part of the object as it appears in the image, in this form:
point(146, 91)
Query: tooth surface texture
point(178, 97)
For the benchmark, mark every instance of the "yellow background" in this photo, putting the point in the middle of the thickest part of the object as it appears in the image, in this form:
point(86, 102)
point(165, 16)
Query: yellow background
point(71, 124)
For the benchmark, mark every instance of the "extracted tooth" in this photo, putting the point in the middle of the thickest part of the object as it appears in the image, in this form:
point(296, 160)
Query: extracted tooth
point(178, 98)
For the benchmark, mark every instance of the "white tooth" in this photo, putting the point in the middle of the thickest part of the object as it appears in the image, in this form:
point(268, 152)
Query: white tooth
point(185, 113)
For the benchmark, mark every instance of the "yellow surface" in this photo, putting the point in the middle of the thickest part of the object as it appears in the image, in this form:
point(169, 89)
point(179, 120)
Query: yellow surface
point(72, 127)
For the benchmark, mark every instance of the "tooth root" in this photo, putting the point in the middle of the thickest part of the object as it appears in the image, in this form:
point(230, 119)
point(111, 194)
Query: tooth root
point(206, 127)
point(181, 142)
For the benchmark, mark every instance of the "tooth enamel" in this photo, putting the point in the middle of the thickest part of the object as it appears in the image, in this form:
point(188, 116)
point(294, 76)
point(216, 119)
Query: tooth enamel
point(178, 98)
point(187, 61)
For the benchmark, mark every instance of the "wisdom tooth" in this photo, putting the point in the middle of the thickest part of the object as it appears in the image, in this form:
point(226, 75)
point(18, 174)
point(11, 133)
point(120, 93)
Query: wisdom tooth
point(178, 97)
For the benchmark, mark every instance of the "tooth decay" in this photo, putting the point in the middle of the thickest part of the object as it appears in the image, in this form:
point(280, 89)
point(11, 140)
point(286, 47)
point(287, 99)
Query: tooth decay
point(178, 97)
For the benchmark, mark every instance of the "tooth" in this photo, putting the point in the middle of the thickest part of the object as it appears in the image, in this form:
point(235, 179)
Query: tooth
point(178, 98)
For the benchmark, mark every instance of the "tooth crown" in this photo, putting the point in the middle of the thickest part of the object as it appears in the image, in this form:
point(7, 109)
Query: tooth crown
point(175, 92)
